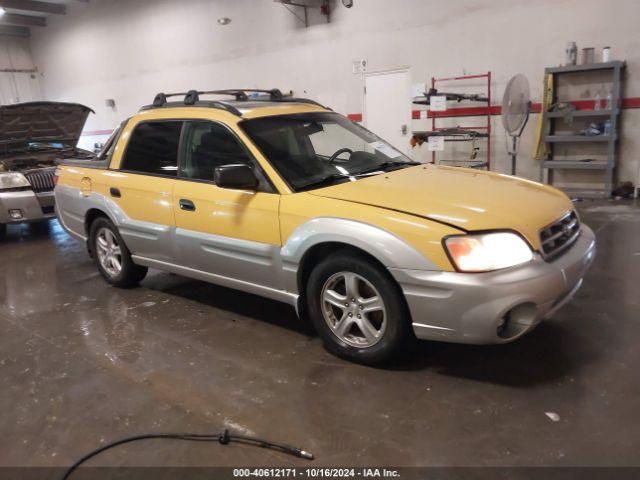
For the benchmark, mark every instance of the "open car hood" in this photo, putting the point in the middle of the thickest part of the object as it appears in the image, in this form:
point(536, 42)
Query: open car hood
point(45, 122)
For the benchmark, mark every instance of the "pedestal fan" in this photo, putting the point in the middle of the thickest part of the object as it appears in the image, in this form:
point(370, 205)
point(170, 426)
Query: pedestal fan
point(516, 107)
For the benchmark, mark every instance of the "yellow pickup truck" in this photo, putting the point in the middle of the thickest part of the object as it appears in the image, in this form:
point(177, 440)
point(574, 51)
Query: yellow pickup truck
point(284, 198)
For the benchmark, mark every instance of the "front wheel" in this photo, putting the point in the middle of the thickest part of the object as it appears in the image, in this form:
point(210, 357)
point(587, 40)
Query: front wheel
point(357, 309)
point(112, 255)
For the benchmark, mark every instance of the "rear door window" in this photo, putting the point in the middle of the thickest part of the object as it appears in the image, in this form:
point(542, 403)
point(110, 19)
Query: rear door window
point(153, 148)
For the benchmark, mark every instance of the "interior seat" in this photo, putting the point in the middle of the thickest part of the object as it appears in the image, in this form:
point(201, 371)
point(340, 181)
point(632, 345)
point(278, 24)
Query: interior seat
point(216, 148)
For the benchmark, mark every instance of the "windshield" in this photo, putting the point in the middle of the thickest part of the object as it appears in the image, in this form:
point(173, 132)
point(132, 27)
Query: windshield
point(313, 150)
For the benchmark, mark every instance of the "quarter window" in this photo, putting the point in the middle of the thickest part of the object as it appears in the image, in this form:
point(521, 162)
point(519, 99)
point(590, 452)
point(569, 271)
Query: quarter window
point(208, 145)
point(153, 148)
point(109, 146)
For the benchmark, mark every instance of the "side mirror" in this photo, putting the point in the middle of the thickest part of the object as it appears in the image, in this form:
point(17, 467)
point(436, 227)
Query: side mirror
point(235, 176)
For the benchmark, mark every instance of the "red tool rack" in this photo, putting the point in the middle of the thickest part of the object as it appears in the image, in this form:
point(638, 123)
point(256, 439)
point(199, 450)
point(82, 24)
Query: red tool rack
point(467, 112)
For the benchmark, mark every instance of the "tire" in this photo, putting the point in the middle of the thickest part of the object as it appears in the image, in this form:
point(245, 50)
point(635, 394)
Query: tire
point(344, 324)
point(107, 245)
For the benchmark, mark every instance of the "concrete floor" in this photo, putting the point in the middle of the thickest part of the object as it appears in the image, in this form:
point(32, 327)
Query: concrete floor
point(82, 363)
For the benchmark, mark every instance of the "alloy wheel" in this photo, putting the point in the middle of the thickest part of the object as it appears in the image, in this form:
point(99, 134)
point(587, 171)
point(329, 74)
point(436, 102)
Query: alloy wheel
point(353, 309)
point(109, 252)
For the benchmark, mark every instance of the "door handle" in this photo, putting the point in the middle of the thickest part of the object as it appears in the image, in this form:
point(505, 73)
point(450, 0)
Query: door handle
point(115, 192)
point(187, 205)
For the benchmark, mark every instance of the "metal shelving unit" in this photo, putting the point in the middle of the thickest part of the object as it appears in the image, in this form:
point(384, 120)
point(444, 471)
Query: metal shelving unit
point(578, 138)
point(551, 164)
point(482, 132)
point(585, 113)
point(567, 164)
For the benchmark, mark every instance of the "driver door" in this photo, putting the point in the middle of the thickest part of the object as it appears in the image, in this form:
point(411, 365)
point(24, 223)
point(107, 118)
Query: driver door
point(225, 232)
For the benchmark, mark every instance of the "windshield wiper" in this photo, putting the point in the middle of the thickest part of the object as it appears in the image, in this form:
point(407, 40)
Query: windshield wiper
point(324, 180)
point(384, 165)
point(345, 176)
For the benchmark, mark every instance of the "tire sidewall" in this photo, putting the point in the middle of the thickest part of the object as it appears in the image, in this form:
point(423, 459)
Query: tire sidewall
point(123, 278)
point(396, 332)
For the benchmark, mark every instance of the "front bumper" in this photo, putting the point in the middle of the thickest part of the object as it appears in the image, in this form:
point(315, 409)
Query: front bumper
point(494, 307)
point(34, 207)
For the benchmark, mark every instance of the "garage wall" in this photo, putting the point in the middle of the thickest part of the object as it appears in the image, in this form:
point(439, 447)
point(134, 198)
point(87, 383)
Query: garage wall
point(17, 86)
point(130, 49)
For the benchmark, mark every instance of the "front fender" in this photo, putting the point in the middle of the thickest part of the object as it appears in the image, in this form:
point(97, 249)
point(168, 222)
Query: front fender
point(386, 247)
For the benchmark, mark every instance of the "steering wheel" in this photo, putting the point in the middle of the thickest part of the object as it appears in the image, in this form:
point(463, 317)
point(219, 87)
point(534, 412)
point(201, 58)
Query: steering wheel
point(333, 157)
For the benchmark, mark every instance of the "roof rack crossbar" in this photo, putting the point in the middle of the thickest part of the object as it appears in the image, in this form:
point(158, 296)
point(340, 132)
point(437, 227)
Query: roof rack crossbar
point(192, 97)
point(211, 104)
point(161, 98)
point(241, 93)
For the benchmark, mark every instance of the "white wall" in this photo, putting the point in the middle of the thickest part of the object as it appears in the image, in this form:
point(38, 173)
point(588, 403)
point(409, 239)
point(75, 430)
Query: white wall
point(130, 49)
point(17, 86)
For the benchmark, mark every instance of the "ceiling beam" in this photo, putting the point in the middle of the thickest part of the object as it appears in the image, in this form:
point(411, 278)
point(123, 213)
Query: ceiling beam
point(14, 31)
point(34, 6)
point(26, 20)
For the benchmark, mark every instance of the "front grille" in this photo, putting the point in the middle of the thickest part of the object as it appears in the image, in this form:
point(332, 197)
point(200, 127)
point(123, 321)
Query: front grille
point(41, 180)
point(559, 236)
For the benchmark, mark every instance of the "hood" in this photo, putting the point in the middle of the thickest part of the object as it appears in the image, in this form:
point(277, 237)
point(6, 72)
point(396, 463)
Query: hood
point(45, 122)
point(469, 200)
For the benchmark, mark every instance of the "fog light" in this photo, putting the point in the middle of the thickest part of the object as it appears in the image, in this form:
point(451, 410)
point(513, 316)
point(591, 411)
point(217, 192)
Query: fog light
point(518, 320)
point(16, 214)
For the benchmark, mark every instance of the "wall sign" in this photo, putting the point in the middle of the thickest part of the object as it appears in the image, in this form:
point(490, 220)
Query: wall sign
point(436, 144)
point(438, 103)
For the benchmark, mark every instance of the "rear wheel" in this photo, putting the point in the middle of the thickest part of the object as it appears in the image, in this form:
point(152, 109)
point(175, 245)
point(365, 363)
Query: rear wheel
point(112, 255)
point(357, 309)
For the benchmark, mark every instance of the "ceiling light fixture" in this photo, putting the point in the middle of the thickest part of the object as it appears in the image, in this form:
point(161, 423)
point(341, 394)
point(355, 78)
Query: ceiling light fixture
point(224, 21)
point(2, 11)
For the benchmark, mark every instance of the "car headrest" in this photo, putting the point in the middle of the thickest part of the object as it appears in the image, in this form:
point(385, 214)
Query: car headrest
point(218, 142)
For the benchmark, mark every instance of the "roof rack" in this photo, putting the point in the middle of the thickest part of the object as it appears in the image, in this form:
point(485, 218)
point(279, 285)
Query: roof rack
point(241, 93)
point(192, 97)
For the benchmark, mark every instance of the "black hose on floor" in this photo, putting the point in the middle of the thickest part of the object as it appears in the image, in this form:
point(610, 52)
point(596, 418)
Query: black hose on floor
point(223, 438)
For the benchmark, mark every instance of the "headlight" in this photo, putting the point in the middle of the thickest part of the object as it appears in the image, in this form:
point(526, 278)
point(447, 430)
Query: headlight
point(487, 251)
point(13, 180)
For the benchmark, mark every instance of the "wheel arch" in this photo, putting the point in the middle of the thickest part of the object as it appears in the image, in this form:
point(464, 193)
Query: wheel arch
point(386, 247)
point(321, 250)
point(316, 238)
point(90, 216)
